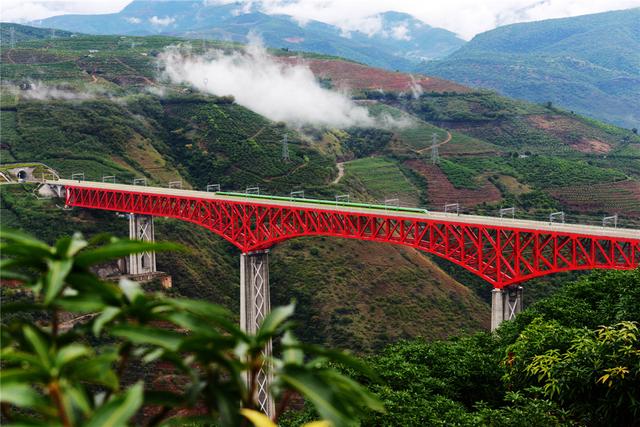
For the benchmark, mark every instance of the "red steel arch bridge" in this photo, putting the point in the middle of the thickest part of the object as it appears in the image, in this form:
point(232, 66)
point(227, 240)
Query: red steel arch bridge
point(502, 251)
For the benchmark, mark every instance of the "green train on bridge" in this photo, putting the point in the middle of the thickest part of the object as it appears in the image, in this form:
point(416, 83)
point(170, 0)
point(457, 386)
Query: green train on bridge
point(325, 202)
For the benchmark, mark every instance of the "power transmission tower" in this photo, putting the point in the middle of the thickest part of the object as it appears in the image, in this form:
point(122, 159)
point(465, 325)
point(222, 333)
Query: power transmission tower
point(285, 148)
point(53, 33)
point(435, 156)
point(12, 32)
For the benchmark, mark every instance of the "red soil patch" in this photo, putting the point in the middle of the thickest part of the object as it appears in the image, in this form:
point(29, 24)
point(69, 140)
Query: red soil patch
point(442, 191)
point(350, 75)
point(620, 197)
point(565, 128)
point(586, 145)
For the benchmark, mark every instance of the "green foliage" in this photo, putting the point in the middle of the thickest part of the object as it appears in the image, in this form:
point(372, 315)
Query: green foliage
point(230, 145)
point(592, 373)
point(551, 366)
point(541, 171)
point(51, 374)
point(460, 175)
point(600, 298)
point(366, 141)
point(509, 124)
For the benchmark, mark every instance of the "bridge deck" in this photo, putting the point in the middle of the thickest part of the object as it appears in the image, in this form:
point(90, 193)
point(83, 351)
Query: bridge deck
point(587, 230)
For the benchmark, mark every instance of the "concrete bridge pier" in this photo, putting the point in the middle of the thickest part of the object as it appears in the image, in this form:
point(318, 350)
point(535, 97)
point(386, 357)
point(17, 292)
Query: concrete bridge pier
point(255, 304)
point(141, 228)
point(505, 304)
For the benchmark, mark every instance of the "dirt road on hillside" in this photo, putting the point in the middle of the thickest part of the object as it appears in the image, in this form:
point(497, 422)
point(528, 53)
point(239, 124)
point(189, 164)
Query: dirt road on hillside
point(340, 166)
point(447, 139)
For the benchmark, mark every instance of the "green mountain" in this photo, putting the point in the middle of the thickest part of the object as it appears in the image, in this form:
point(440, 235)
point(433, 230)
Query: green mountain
point(401, 41)
point(15, 33)
point(589, 64)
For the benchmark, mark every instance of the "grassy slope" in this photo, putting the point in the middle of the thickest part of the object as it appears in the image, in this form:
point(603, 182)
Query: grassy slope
point(383, 179)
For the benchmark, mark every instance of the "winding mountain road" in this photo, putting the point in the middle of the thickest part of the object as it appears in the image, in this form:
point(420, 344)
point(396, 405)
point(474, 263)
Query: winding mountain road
point(447, 139)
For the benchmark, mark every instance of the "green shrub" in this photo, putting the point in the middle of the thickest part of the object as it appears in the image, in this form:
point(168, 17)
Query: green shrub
point(57, 376)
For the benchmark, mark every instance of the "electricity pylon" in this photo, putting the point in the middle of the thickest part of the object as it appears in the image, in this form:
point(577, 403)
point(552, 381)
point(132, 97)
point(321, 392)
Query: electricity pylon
point(435, 156)
point(285, 149)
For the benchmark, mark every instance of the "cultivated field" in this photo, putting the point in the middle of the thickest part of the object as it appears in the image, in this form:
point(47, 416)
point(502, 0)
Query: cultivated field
point(383, 179)
point(441, 190)
point(621, 197)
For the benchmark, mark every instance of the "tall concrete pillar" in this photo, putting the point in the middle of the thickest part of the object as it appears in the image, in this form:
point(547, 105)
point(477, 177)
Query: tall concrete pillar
point(505, 304)
point(255, 304)
point(141, 228)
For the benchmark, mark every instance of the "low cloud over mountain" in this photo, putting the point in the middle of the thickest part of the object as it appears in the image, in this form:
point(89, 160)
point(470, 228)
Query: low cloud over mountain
point(281, 92)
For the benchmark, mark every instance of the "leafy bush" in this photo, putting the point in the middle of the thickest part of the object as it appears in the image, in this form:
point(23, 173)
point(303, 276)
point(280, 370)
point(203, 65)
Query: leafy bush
point(56, 375)
point(593, 373)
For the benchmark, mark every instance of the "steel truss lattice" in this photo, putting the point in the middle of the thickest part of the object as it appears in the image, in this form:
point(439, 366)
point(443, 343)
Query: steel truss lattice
point(501, 255)
point(254, 306)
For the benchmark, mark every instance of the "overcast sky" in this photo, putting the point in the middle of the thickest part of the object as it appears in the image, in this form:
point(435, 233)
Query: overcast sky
point(464, 17)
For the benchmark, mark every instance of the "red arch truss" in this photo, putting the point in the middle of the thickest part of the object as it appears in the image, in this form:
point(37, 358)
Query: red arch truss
point(502, 255)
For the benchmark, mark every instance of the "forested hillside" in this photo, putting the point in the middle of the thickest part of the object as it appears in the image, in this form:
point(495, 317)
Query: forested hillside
point(589, 64)
point(99, 105)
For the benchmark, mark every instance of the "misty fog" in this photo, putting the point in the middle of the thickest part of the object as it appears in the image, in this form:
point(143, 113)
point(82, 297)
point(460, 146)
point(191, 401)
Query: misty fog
point(281, 92)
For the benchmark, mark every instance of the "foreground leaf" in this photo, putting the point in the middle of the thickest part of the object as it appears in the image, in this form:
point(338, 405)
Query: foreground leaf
point(257, 418)
point(119, 409)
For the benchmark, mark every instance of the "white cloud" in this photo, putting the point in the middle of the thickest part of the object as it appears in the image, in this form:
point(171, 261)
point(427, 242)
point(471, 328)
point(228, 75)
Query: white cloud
point(41, 91)
point(401, 32)
point(133, 20)
point(31, 10)
point(464, 17)
point(349, 16)
point(279, 91)
point(161, 22)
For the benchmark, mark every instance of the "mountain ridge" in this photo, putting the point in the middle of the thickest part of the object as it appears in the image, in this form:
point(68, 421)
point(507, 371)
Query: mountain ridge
point(402, 40)
point(589, 63)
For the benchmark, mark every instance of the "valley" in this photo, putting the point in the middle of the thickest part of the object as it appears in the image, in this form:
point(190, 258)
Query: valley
point(319, 213)
point(113, 114)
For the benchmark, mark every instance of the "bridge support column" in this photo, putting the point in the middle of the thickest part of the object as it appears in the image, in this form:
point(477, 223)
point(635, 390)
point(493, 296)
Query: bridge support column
point(255, 304)
point(141, 228)
point(505, 304)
